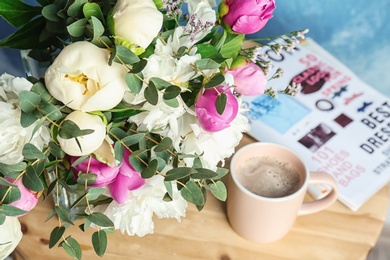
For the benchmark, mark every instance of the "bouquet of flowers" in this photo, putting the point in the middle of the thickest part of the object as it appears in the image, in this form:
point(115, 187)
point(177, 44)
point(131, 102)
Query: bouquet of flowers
point(135, 113)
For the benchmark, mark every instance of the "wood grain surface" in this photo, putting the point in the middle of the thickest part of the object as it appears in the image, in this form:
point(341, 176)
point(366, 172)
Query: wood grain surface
point(336, 233)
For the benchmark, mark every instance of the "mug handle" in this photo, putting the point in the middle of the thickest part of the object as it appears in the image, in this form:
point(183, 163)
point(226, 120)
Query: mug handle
point(323, 203)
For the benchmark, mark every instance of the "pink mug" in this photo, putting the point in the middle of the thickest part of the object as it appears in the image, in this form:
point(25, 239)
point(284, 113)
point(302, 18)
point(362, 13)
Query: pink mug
point(265, 219)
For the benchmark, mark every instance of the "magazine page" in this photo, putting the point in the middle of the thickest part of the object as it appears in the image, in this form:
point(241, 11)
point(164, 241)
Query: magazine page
point(337, 123)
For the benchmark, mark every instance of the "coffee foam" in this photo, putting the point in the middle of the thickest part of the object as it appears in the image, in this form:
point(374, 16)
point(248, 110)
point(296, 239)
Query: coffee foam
point(268, 177)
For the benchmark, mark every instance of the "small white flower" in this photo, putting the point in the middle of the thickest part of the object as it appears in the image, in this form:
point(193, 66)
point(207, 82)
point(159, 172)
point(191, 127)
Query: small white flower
point(135, 215)
point(10, 237)
point(90, 142)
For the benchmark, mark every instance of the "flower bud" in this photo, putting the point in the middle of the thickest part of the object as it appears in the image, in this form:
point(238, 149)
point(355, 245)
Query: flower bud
point(247, 16)
point(11, 234)
point(206, 111)
point(89, 142)
point(249, 79)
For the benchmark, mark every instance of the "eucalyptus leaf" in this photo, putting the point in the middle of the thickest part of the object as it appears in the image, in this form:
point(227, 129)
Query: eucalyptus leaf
point(40, 89)
point(70, 130)
point(100, 219)
point(63, 214)
point(193, 193)
point(136, 160)
point(125, 55)
point(56, 150)
point(77, 28)
point(220, 103)
point(160, 83)
point(207, 64)
point(50, 12)
point(118, 151)
point(11, 170)
point(31, 152)
point(72, 247)
point(76, 7)
point(218, 79)
point(139, 66)
point(179, 173)
point(150, 170)
point(56, 235)
point(28, 101)
point(221, 173)
point(168, 186)
point(31, 180)
point(172, 102)
point(218, 189)
point(94, 193)
point(133, 139)
point(9, 194)
point(99, 242)
point(134, 82)
point(165, 144)
point(204, 173)
point(151, 94)
point(93, 10)
point(86, 178)
point(27, 119)
point(98, 30)
point(171, 92)
point(11, 211)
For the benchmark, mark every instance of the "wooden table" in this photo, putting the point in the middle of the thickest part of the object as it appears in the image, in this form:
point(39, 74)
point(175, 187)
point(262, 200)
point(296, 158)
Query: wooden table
point(336, 233)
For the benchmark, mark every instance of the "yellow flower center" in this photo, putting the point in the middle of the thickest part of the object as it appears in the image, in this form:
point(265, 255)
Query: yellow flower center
point(91, 86)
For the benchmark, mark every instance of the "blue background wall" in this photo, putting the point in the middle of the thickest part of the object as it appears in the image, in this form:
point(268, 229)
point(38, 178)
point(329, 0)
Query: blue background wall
point(356, 32)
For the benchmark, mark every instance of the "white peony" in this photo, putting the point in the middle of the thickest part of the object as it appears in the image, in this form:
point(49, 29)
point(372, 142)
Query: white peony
point(81, 78)
point(90, 142)
point(135, 215)
point(137, 21)
point(13, 136)
point(10, 236)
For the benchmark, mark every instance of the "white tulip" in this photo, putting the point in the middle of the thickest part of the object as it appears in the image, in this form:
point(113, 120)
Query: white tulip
point(90, 142)
point(137, 21)
point(10, 237)
point(81, 78)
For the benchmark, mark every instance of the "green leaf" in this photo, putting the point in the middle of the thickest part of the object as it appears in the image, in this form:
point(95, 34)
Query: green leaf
point(99, 242)
point(70, 130)
point(179, 173)
point(125, 113)
point(90, 178)
point(75, 7)
point(12, 170)
point(63, 214)
point(168, 186)
point(51, 111)
point(206, 64)
point(151, 94)
point(56, 150)
point(28, 101)
point(31, 180)
point(27, 37)
point(136, 160)
point(77, 28)
point(204, 173)
point(134, 82)
point(11, 211)
point(31, 152)
point(218, 79)
point(40, 89)
point(172, 102)
point(218, 190)
point(133, 139)
point(193, 193)
point(50, 13)
point(72, 247)
point(150, 170)
point(27, 119)
point(139, 66)
point(171, 92)
point(94, 193)
point(56, 235)
point(220, 103)
point(13, 192)
point(98, 30)
point(160, 83)
point(100, 219)
point(18, 13)
point(165, 144)
point(91, 10)
point(209, 51)
point(232, 45)
point(118, 151)
point(125, 55)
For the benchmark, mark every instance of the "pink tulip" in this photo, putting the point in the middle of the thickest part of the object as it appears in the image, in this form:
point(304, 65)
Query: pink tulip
point(249, 79)
point(127, 179)
point(104, 173)
point(28, 199)
point(206, 111)
point(247, 16)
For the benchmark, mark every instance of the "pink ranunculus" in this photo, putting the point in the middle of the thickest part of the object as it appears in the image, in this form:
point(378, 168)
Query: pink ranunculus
point(104, 173)
point(247, 16)
point(206, 111)
point(249, 79)
point(127, 179)
point(28, 199)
